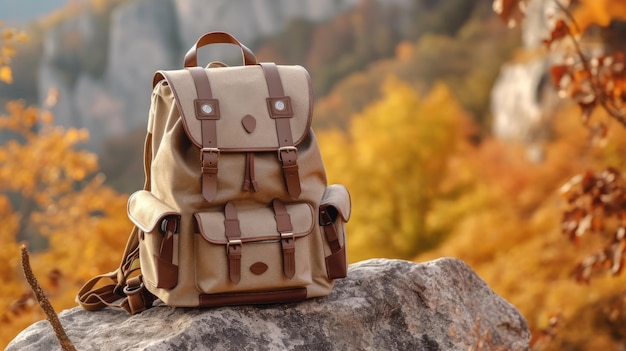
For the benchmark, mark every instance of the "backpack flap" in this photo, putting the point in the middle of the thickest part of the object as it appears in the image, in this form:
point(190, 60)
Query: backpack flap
point(244, 112)
point(158, 238)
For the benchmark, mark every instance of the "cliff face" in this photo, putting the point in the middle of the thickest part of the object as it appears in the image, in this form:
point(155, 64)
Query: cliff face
point(521, 98)
point(114, 61)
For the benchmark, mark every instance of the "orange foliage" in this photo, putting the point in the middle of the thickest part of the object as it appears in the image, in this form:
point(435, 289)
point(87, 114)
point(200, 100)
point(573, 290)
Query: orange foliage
point(58, 197)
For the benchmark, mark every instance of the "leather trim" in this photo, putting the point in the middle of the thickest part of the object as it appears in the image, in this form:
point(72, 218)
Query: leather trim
point(287, 241)
point(249, 123)
point(258, 268)
point(233, 248)
point(288, 159)
point(336, 265)
point(208, 131)
point(191, 57)
point(253, 298)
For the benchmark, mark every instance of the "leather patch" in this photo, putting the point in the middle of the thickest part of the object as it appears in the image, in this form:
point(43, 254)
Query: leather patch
point(280, 107)
point(258, 268)
point(249, 123)
point(207, 108)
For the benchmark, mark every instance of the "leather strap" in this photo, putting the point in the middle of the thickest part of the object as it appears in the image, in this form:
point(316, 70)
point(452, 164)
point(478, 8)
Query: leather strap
point(326, 222)
point(287, 240)
point(233, 248)
point(249, 183)
point(207, 111)
point(122, 292)
point(94, 298)
point(280, 110)
point(191, 57)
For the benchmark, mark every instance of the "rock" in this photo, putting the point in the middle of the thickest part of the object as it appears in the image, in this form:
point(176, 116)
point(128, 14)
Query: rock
point(143, 39)
point(522, 98)
point(382, 305)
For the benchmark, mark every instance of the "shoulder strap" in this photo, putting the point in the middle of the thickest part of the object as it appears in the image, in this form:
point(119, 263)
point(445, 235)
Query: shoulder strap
point(117, 288)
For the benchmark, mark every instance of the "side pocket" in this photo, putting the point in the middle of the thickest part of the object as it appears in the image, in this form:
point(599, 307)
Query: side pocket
point(334, 214)
point(158, 238)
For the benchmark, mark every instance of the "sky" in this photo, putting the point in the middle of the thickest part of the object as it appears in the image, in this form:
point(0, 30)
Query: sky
point(20, 11)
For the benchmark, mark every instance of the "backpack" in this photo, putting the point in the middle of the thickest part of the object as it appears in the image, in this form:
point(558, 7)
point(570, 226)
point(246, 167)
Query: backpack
point(235, 207)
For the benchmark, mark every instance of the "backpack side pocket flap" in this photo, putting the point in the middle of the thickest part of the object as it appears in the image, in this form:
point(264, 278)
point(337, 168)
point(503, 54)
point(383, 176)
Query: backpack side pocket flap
point(146, 211)
point(338, 197)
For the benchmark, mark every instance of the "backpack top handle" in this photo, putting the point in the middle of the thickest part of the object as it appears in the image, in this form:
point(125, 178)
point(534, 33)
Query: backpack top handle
point(191, 58)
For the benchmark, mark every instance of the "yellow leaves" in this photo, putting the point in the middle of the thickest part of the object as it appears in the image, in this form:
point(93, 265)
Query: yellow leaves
point(599, 12)
point(394, 159)
point(6, 75)
point(61, 198)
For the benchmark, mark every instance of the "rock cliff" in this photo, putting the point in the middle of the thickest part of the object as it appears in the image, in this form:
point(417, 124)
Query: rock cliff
point(382, 305)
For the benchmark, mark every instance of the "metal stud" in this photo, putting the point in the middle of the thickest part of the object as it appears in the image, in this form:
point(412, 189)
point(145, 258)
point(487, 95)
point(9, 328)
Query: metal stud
point(279, 105)
point(207, 109)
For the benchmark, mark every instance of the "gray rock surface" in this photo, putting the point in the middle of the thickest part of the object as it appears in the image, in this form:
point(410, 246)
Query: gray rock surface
point(382, 305)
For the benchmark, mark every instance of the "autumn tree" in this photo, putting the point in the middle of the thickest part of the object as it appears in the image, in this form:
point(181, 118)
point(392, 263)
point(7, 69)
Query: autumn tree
point(50, 189)
point(394, 159)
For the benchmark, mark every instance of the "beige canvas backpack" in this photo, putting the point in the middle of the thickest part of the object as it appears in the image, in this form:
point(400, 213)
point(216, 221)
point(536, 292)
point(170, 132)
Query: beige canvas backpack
point(235, 208)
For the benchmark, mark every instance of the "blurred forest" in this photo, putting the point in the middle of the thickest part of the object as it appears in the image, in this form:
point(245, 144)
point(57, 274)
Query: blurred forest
point(417, 102)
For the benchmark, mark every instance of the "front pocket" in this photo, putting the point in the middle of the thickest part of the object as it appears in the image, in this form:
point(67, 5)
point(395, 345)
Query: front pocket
point(334, 214)
point(158, 238)
point(247, 247)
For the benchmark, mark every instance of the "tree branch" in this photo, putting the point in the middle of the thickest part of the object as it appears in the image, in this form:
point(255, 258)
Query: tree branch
point(66, 343)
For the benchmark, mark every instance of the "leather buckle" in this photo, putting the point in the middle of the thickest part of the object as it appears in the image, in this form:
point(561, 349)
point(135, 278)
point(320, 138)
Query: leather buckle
point(286, 149)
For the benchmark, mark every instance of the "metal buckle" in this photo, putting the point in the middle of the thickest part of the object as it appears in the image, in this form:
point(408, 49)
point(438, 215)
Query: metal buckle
point(286, 236)
point(129, 290)
point(233, 243)
point(209, 150)
point(165, 222)
point(286, 149)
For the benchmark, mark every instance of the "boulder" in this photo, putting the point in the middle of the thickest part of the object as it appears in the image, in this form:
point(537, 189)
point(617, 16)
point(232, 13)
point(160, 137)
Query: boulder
point(382, 305)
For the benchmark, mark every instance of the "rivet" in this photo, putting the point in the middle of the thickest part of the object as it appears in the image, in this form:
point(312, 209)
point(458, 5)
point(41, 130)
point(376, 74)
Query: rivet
point(279, 105)
point(207, 109)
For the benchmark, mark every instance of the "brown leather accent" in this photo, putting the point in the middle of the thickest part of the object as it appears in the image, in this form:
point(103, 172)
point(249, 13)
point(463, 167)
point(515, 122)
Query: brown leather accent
point(336, 262)
point(138, 298)
point(191, 57)
point(253, 298)
point(167, 271)
point(258, 268)
point(284, 103)
point(207, 108)
point(287, 241)
point(249, 183)
point(233, 248)
point(336, 266)
point(327, 222)
point(287, 153)
point(209, 154)
point(249, 123)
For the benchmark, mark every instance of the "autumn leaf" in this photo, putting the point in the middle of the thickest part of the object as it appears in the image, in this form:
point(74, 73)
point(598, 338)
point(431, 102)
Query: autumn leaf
point(510, 11)
point(6, 75)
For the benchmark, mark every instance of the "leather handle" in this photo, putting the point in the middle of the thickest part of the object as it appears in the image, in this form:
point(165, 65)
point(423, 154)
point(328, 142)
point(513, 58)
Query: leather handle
point(191, 57)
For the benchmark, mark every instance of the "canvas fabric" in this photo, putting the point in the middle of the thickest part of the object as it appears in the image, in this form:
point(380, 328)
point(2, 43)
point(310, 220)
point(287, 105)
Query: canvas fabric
point(235, 208)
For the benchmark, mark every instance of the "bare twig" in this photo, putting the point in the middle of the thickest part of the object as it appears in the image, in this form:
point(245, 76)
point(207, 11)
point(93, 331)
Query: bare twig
point(66, 343)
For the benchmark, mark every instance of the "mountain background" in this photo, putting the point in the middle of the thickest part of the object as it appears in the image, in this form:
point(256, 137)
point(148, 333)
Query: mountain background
point(98, 57)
